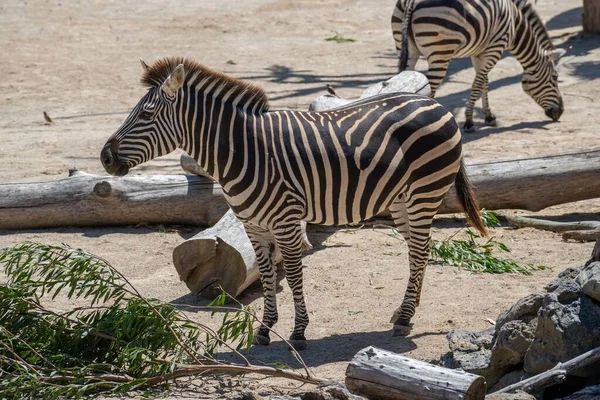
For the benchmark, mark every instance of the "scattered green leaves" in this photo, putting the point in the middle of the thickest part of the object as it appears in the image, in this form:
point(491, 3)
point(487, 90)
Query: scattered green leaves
point(339, 39)
point(475, 255)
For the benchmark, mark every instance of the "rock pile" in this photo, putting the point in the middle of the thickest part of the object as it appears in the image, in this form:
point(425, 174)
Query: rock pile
point(536, 333)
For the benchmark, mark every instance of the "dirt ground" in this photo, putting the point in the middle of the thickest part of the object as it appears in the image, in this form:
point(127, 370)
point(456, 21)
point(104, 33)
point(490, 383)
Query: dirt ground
point(78, 61)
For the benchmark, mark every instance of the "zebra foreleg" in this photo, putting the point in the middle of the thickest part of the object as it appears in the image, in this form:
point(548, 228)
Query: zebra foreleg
point(483, 65)
point(262, 240)
point(289, 240)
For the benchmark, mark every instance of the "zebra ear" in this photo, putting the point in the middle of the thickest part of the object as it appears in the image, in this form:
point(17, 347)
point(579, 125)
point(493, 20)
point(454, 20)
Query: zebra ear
point(145, 66)
point(555, 54)
point(174, 81)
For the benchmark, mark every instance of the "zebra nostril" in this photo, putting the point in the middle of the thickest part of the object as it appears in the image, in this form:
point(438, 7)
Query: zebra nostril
point(107, 157)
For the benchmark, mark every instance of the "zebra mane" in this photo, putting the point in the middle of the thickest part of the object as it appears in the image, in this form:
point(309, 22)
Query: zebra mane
point(536, 23)
point(254, 96)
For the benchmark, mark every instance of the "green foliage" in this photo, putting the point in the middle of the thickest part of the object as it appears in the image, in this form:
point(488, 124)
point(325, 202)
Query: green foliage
point(475, 255)
point(339, 39)
point(116, 342)
point(490, 218)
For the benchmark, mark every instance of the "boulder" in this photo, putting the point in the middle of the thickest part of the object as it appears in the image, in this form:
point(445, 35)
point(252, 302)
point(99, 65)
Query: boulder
point(589, 280)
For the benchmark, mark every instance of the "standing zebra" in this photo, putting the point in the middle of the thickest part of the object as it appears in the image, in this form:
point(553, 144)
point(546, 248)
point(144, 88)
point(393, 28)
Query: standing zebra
point(400, 152)
point(481, 29)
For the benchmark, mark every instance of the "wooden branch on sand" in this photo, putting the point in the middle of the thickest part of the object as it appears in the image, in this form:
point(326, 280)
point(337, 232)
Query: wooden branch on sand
point(379, 374)
point(587, 231)
point(554, 375)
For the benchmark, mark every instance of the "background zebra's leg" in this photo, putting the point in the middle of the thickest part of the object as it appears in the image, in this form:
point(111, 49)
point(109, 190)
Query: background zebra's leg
point(436, 72)
point(490, 118)
point(417, 233)
point(289, 240)
point(482, 64)
point(262, 241)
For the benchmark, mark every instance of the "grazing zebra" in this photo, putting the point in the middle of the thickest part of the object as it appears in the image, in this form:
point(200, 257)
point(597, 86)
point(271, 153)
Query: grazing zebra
point(400, 152)
point(481, 29)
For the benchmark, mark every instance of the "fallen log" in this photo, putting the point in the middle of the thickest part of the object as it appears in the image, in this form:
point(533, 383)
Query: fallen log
point(90, 200)
point(221, 257)
point(553, 226)
point(405, 81)
point(588, 235)
point(379, 374)
point(532, 183)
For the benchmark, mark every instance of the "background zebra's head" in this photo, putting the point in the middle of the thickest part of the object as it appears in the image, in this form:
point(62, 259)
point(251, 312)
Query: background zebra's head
point(541, 83)
point(149, 131)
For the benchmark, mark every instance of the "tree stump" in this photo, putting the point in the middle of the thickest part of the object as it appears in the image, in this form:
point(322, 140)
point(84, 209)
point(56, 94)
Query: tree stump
point(221, 257)
point(591, 16)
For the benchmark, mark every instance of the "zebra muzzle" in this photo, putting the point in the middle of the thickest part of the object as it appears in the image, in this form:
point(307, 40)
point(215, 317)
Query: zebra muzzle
point(111, 163)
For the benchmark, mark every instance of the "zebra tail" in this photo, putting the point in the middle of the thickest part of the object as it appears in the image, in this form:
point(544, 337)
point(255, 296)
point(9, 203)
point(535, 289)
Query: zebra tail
point(408, 10)
point(466, 196)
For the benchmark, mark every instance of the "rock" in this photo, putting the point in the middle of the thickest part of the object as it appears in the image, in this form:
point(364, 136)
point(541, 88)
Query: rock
point(569, 274)
point(589, 279)
point(330, 392)
point(467, 341)
point(563, 332)
point(588, 393)
point(512, 341)
point(519, 395)
point(525, 309)
point(509, 379)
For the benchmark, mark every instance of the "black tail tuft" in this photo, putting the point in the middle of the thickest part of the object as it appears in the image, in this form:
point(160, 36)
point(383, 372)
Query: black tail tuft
point(464, 190)
point(408, 10)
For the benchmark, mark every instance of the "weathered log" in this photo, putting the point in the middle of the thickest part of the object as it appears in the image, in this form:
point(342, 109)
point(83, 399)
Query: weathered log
point(405, 81)
point(552, 226)
point(591, 16)
point(589, 235)
point(91, 200)
point(532, 183)
point(379, 374)
point(221, 257)
point(558, 373)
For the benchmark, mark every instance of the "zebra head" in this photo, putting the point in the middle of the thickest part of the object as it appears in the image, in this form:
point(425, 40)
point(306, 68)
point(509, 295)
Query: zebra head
point(149, 131)
point(541, 83)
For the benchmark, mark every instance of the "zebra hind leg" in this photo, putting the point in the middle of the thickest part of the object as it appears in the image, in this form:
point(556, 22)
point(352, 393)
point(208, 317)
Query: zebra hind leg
point(436, 72)
point(262, 240)
point(289, 239)
point(417, 233)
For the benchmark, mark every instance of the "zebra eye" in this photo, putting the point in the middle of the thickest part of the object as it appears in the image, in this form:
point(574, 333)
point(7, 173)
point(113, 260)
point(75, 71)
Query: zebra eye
point(145, 115)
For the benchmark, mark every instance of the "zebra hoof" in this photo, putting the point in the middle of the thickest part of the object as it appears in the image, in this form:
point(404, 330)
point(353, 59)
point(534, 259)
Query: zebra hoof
point(491, 120)
point(260, 339)
point(298, 342)
point(469, 127)
point(401, 330)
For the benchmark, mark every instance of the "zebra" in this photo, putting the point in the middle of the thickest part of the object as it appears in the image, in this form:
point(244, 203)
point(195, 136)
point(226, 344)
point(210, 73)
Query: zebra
point(481, 29)
point(399, 151)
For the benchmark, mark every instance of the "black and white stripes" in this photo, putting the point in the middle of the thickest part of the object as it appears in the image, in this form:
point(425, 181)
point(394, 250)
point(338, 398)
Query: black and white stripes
point(400, 152)
point(481, 29)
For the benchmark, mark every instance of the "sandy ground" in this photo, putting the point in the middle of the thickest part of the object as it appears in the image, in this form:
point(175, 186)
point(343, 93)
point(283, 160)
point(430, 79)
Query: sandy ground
point(78, 61)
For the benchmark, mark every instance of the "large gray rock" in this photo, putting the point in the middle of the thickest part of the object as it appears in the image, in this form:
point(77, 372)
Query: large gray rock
point(589, 279)
point(564, 331)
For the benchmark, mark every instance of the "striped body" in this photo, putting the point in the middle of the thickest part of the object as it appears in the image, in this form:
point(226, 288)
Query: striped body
point(481, 29)
point(397, 152)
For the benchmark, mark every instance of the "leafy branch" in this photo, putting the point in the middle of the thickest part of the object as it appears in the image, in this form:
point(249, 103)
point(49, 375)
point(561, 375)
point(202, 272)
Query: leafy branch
point(475, 253)
point(116, 342)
